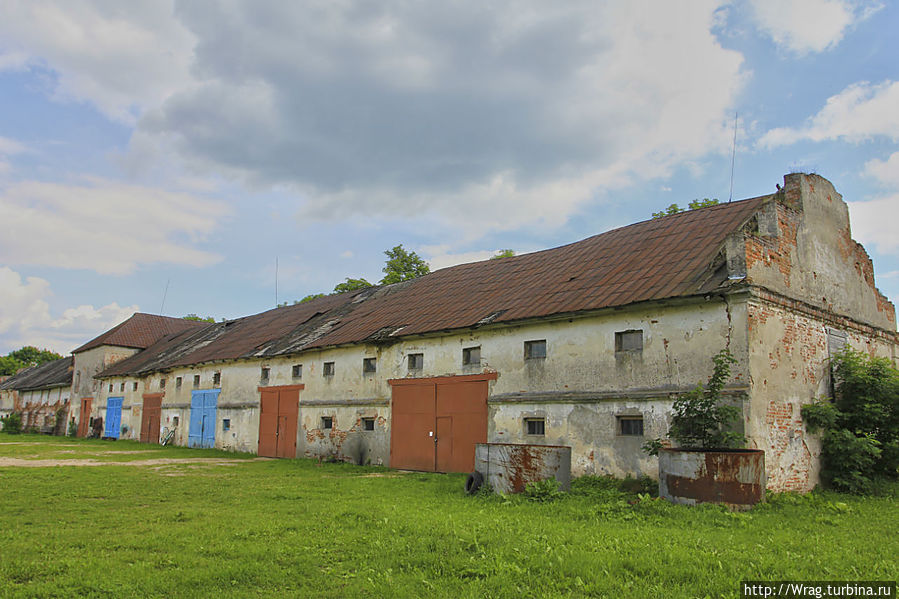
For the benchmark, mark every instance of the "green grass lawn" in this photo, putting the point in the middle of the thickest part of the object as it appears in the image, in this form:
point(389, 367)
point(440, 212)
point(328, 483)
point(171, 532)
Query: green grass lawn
point(250, 528)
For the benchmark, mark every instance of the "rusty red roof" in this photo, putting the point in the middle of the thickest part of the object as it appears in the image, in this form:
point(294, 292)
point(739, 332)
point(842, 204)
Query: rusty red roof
point(140, 331)
point(675, 256)
point(57, 373)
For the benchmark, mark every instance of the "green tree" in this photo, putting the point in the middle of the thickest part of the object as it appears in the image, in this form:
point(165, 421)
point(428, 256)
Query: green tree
point(695, 204)
point(309, 298)
point(198, 319)
point(32, 356)
point(503, 254)
point(403, 265)
point(351, 285)
point(860, 428)
point(9, 366)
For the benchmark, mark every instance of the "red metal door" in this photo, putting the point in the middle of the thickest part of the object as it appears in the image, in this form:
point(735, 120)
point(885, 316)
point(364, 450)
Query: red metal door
point(149, 422)
point(464, 405)
point(279, 410)
point(268, 423)
point(288, 414)
point(85, 416)
point(413, 426)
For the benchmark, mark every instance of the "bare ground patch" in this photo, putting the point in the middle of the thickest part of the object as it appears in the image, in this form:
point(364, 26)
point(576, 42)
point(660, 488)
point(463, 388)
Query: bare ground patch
point(24, 463)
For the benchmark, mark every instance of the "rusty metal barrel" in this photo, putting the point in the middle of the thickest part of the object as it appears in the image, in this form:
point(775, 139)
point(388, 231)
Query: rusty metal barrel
point(734, 477)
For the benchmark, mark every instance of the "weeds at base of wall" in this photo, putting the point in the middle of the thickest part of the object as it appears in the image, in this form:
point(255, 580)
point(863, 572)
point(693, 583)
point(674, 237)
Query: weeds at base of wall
point(12, 424)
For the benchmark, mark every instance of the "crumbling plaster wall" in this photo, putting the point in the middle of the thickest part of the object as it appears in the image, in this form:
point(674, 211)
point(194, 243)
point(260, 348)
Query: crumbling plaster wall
point(87, 365)
point(39, 406)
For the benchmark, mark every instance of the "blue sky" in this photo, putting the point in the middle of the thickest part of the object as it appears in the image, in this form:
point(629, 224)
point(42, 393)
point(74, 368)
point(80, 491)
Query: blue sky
point(160, 156)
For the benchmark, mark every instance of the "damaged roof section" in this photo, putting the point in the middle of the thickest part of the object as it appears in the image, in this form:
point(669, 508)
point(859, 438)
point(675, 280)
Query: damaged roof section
point(57, 373)
point(674, 256)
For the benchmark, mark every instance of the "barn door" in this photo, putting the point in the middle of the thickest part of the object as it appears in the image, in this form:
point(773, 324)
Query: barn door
point(113, 417)
point(436, 423)
point(85, 416)
point(150, 419)
point(203, 404)
point(279, 409)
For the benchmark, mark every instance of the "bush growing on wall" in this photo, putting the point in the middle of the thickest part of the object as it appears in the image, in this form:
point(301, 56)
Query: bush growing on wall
point(860, 427)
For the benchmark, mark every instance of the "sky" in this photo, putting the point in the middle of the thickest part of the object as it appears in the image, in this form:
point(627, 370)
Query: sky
point(173, 157)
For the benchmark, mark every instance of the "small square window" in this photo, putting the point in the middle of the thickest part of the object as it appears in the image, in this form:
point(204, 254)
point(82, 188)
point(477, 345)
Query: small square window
point(226, 424)
point(630, 426)
point(177, 382)
point(535, 350)
point(196, 380)
point(327, 422)
point(162, 383)
point(110, 387)
point(328, 369)
point(216, 379)
point(416, 361)
point(369, 365)
point(265, 372)
point(535, 426)
point(471, 356)
point(368, 424)
point(121, 387)
point(297, 371)
point(175, 420)
point(134, 386)
point(629, 341)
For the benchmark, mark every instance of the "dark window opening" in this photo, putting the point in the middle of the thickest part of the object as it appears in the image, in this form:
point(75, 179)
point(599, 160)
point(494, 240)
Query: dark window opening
point(629, 341)
point(121, 387)
point(327, 422)
point(328, 369)
point(226, 424)
point(175, 420)
point(535, 350)
point(216, 379)
point(631, 426)
point(196, 380)
point(162, 383)
point(416, 361)
point(265, 373)
point(471, 356)
point(535, 426)
point(134, 386)
point(297, 371)
point(110, 387)
point(368, 424)
point(369, 365)
point(177, 382)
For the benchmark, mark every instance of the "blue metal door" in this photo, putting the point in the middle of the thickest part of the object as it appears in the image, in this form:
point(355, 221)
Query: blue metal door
point(113, 417)
point(202, 418)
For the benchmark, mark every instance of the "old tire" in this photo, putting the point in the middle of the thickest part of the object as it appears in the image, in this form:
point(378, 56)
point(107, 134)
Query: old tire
point(473, 482)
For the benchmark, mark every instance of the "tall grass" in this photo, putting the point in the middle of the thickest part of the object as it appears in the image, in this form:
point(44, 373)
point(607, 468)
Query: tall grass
point(297, 528)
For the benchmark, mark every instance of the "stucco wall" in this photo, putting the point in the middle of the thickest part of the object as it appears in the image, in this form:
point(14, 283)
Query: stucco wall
point(87, 365)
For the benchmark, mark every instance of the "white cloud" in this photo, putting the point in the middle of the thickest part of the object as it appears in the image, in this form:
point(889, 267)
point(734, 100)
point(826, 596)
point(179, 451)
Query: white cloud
point(873, 223)
point(860, 112)
point(103, 225)
point(25, 317)
point(803, 26)
point(886, 172)
point(120, 56)
point(10, 146)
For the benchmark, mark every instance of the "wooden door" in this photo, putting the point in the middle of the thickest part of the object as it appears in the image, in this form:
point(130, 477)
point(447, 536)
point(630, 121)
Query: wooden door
point(113, 417)
point(203, 405)
point(412, 427)
point(151, 418)
point(85, 416)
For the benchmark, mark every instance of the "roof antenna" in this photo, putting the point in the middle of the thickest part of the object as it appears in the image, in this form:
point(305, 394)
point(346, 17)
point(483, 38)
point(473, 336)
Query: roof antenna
point(276, 281)
point(733, 159)
point(164, 293)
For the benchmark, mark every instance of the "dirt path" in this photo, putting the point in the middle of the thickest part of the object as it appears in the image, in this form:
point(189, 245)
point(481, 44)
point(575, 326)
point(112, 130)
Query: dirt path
point(20, 463)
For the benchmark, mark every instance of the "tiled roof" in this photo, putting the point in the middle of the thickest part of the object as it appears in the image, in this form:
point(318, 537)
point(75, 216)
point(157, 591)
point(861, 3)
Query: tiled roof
point(669, 257)
point(140, 331)
point(57, 373)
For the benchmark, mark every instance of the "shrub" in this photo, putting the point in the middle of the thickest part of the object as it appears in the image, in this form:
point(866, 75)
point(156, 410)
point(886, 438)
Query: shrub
point(542, 490)
point(860, 427)
point(12, 424)
point(700, 419)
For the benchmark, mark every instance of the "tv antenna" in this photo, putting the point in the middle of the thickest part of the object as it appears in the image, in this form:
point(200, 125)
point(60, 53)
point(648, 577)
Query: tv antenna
point(164, 293)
